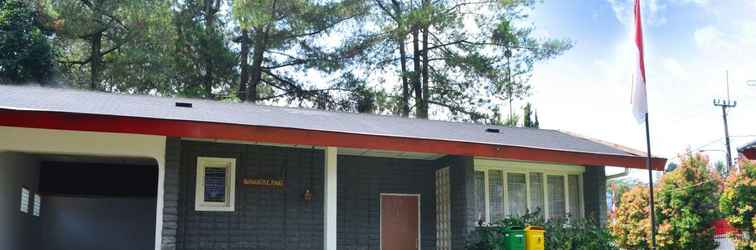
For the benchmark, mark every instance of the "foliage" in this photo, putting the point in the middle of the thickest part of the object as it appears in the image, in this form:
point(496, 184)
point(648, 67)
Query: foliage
point(687, 201)
point(529, 117)
point(386, 56)
point(25, 53)
point(630, 225)
point(560, 233)
point(203, 61)
point(617, 188)
point(281, 38)
point(685, 207)
point(444, 65)
point(115, 45)
point(738, 201)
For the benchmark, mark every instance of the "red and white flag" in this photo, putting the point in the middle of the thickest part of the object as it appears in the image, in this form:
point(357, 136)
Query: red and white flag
point(640, 105)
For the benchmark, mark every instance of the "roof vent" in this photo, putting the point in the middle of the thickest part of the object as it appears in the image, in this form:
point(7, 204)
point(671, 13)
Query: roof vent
point(492, 130)
point(184, 104)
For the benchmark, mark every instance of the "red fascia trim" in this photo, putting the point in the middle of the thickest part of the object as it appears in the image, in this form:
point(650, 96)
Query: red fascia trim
point(222, 131)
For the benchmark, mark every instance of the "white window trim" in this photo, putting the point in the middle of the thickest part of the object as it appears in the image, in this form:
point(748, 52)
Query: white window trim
point(545, 169)
point(199, 198)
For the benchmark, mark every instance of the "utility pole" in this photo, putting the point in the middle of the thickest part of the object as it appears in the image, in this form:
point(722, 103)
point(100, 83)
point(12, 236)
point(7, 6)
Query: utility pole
point(725, 104)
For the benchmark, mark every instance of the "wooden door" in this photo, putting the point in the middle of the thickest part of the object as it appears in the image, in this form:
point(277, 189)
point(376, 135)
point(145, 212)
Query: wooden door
point(400, 222)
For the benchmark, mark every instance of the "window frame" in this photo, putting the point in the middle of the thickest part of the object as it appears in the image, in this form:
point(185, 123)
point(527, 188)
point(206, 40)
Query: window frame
point(230, 193)
point(36, 205)
point(519, 167)
point(25, 198)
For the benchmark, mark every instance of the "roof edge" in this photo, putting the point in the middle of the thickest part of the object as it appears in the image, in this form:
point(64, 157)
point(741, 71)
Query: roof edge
point(212, 130)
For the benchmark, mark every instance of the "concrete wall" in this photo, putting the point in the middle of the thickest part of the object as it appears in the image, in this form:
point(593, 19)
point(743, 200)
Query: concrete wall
point(97, 223)
point(18, 231)
point(363, 179)
point(264, 217)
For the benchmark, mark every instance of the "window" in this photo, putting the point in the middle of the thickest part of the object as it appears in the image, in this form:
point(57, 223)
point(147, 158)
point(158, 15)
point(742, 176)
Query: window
point(556, 196)
point(536, 192)
point(517, 192)
point(506, 188)
point(480, 195)
point(37, 205)
point(574, 196)
point(496, 195)
point(216, 184)
point(25, 200)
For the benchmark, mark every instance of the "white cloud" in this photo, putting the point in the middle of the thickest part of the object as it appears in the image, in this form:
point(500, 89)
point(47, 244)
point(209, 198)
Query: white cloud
point(674, 68)
point(710, 37)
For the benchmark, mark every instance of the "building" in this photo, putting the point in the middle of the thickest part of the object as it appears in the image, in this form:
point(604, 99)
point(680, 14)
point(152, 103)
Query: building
point(89, 169)
point(748, 151)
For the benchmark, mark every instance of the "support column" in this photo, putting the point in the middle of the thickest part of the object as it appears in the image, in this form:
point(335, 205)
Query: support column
point(329, 203)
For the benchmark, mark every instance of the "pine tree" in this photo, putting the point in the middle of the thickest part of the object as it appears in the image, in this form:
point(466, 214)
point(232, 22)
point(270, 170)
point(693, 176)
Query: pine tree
point(25, 53)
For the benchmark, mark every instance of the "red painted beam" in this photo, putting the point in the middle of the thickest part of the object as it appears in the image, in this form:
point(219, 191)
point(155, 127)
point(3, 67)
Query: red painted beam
point(222, 131)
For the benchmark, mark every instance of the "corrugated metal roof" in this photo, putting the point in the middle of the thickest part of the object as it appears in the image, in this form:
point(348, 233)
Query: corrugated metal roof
point(88, 102)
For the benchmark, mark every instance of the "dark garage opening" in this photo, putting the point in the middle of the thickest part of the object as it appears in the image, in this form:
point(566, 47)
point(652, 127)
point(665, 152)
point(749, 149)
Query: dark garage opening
point(97, 203)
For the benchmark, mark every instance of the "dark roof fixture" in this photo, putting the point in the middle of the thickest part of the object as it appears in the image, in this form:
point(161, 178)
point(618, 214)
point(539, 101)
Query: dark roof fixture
point(492, 130)
point(184, 104)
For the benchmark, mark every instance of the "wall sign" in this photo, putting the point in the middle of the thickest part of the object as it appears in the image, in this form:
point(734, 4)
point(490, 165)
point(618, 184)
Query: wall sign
point(263, 182)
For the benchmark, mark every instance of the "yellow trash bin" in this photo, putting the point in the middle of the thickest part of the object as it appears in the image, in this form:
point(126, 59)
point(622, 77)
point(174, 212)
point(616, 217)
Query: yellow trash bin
point(534, 238)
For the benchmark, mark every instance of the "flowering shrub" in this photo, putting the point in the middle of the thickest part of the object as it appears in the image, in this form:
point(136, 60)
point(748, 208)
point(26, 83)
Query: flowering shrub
point(630, 225)
point(685, 207)
point(737, 204)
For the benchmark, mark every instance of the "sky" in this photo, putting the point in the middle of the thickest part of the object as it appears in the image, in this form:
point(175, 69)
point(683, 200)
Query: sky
point(691, 45)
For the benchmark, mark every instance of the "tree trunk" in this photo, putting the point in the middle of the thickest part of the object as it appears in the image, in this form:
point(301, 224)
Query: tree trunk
point(423, 111)
point(211, 7)
point(257, 60)
point(244, 79)
point(403, 59)
point(416, 81)
point(405, 83)
point(96, 60)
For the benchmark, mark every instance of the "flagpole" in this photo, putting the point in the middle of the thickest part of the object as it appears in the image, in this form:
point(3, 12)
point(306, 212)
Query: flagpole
point(650, 185)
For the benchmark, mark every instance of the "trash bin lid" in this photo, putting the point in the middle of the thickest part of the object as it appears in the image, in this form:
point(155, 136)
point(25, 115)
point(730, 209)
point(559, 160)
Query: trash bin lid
point(534, 228)
point(514, 228)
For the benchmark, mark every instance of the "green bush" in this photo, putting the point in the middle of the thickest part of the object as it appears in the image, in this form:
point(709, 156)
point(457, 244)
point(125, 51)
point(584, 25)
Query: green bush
point(560, 234)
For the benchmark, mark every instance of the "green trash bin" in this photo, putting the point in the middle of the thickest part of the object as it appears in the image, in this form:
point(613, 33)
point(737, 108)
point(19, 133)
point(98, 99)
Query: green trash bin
point(514, 238)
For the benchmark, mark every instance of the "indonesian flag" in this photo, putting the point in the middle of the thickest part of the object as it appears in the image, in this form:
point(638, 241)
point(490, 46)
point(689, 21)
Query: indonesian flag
point(640, 105)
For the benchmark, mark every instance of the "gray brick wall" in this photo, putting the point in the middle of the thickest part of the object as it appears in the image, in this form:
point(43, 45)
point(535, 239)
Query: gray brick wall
point(171, 188)
point(264, 218)
point(361, 181)
point(594, 191)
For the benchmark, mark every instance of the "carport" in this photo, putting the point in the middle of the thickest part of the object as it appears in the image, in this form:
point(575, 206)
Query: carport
point(63, 190)
point(79, 202)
